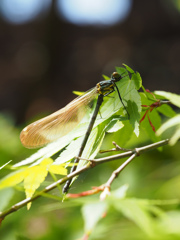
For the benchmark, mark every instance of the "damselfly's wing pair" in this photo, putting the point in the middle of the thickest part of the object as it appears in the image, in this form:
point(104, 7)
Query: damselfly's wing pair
point(58, 124)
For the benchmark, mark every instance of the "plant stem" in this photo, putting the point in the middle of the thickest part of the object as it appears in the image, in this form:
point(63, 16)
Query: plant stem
point(90, 164)
point(119, 169)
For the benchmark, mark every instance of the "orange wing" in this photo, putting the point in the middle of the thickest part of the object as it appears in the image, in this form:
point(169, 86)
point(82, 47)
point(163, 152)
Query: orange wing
point(58, 124)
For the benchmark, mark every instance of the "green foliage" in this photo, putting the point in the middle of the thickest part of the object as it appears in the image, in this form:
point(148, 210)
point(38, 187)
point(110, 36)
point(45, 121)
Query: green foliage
point(127, 213)
point(172, 97)
point(169, 124)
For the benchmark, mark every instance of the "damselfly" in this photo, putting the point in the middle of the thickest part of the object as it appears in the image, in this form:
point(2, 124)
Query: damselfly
point(58, 124)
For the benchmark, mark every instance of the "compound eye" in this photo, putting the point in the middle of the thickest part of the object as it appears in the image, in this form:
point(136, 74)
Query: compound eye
point(116, 76)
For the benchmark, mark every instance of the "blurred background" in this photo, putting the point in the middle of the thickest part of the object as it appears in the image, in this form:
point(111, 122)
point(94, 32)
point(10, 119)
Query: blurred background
point(48, 48)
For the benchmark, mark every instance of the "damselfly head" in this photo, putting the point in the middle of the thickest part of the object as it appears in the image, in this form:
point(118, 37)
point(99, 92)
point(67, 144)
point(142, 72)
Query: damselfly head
point(115, 76)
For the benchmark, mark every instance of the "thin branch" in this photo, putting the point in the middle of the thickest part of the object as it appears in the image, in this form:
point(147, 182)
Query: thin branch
point(119, 169)
point(117, 148)
point(128, 153)
point(91, 163)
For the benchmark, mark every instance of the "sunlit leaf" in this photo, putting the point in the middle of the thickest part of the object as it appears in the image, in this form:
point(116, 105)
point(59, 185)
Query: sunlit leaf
point(170, 123)
point(58, 169)
point(101, 129)
point(175, 137)
point(175, 121)
point(115, 126)
point(135, 77)
point(172, 97)
point(137, 80)
point(145, 99)
point(122, 71)
point(13, 179)
point(128, 68)
point(35, 176)
point(70, 151)
point(131, 96)
point(166, 110)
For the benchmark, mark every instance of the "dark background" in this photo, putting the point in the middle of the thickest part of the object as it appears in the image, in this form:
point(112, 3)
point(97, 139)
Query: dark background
point(44, 60)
